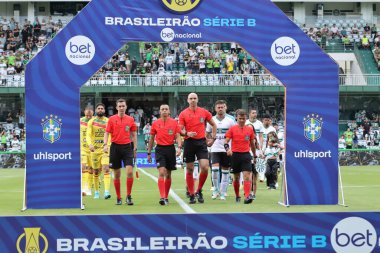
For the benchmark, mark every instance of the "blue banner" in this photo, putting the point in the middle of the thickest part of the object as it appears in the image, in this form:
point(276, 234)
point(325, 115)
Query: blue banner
point(292, 232)
point(261, 28)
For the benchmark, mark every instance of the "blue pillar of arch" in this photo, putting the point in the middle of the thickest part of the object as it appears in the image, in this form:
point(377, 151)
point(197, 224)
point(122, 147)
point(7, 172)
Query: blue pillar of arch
point(55, 75)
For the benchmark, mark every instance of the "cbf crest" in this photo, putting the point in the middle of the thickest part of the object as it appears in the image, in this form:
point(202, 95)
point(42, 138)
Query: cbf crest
point(51, 128)
point(31, 239)
point(312, 127)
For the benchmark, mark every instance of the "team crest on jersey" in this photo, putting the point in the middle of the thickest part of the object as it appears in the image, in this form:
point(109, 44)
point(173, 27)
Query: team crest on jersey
point(181, 6)
point(127, 128)
point(313, 127)
point(202, 119)
point(170, 131)
point(51, 128)
point(247, 137)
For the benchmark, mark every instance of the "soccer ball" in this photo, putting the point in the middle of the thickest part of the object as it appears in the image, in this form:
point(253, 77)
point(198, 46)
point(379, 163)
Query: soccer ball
point(181, 2)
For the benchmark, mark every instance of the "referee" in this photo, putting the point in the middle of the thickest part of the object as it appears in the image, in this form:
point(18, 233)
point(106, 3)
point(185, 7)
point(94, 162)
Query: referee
point(242, 140)
point(165, 131)
point(123, 148)
point(192, 122)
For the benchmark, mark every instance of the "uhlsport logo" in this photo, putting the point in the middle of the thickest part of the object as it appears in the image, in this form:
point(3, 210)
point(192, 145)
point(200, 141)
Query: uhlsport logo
point(312, 127)
point(80, 50)
point(353, 235)
point(51, 128)
point(32, 241)
point(181, 6)
point(285, 51)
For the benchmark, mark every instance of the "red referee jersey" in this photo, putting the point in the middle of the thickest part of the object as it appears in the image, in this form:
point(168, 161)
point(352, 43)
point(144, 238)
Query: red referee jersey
point(121, 128)
point(165, 131)
point(240, 137)
point(195, 121)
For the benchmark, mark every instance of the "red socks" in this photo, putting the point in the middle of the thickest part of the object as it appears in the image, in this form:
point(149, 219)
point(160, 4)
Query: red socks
point(161, 187)
point(247, 188)
point(202, 180)
point(116, 183)
point(190, 182)
point(236, 188)
point(168, 183)
point(129, 185)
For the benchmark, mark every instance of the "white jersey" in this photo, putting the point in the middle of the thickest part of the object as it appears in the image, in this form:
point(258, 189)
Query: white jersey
point(266, 131)
point(258, 125)
point(222, 127)
point(272, 153)
point(280, 136)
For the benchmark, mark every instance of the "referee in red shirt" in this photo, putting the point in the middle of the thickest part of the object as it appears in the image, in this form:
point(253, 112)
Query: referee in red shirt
point(192, 122)
point(242, 138)
point(123, 147)
point(165, 130)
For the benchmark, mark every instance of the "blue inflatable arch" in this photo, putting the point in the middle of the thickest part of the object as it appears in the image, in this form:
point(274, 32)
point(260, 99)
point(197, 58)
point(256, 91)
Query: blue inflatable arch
point(55, 75)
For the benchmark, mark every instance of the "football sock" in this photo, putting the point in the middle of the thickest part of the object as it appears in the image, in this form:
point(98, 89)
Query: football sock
point(168, 183)
point(96, 182)
point(247, 188)
point(161, 187)
point(84, 180)
point(202, 180)
point(225, 181)
point(215, 178)
point(107, 181)
point(236, 188)
point(116, 183)
point(190, 183)
point(90, 180)
point(129, 185)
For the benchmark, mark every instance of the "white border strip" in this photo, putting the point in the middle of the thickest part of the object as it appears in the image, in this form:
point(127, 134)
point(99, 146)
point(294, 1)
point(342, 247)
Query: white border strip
point(182, 203)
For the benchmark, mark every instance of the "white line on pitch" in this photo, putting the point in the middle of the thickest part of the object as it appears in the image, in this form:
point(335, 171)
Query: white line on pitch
point(182, 203)
point(361, 186)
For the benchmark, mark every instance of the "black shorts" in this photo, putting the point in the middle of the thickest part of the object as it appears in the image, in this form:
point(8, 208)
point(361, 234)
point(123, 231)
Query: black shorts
point(222, 158)
point(241, 162)
point(165, 157)
point(121, 153)
point(194, 147)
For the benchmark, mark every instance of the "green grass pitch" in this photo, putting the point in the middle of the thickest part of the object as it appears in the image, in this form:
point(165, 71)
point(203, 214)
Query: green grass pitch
point(361, 187)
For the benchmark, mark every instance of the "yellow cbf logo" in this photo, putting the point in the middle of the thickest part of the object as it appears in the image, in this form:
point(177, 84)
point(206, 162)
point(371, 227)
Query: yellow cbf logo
point(181, 6)
point(32, 241)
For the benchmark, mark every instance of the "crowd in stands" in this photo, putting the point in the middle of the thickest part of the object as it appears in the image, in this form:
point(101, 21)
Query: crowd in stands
point(19, 42)
point(12, 135)
point(362, 132)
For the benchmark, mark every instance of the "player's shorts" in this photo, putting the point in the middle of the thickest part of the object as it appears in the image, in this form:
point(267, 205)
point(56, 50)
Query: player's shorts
point(241, 162)
point(85, 158)
point(121, 153)
point(166, 157)
point(222, 158)
point(99, 159)
point(194, 147)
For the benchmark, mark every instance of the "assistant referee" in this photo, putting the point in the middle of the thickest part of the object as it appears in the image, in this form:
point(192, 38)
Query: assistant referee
point(165, 131)
point(123, 148)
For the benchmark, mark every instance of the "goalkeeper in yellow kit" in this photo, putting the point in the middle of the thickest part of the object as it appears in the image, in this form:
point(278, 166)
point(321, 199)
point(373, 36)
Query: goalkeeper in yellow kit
point(100, 159)
point(85, 152)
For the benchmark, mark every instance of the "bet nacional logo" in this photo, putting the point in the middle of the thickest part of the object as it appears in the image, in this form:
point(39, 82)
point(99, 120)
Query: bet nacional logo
point(181, 6)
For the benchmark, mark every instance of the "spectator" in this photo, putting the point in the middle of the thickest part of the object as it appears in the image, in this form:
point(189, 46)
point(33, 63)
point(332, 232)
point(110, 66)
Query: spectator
point(373, 31)
point(334, 31)
point(342, 142)
point(365, 42)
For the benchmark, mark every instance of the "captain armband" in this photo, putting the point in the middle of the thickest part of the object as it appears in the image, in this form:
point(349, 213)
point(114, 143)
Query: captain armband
point(226, 146)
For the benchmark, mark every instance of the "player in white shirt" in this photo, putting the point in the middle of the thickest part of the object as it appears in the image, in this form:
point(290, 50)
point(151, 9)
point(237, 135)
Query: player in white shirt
point(219, 158)
point(258, 128)
point(267, 128)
